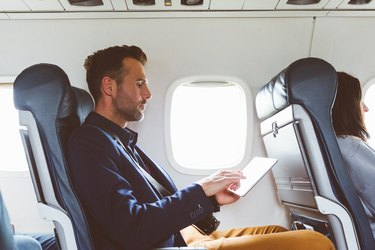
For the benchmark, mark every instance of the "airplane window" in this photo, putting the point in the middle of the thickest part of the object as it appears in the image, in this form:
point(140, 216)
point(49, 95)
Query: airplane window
point(369, 99)
point(208, 125)
point(12, 154)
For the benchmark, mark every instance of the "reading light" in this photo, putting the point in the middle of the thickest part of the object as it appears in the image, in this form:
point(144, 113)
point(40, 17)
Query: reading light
point(144, 2)
point(302, 2)
point(86, 2)
point(191, 2)
point(354, 2)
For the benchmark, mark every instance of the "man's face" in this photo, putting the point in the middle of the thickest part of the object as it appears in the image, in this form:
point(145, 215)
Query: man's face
point(132, 92)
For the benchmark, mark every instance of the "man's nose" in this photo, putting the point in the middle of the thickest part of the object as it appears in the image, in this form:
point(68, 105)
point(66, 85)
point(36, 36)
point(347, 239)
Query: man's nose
point(146, 92)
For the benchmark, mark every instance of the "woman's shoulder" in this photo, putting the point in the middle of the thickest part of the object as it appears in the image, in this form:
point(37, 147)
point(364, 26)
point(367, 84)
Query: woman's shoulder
point(348, 144)
point(349, 139)
point(351, 145)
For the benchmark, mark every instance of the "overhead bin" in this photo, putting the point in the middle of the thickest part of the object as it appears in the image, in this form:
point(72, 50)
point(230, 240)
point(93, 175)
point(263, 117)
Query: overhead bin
point(44, 5)
point(119, 5)
point(260, 4)
point(30, 6)
point(333, 4)
point(13, 5)
point(227, 4)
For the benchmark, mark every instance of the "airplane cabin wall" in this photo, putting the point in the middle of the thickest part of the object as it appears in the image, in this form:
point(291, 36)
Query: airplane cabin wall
point(348, 44)
point(250, 49)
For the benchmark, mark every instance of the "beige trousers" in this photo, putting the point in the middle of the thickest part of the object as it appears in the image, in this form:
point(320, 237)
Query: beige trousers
point(258, 238)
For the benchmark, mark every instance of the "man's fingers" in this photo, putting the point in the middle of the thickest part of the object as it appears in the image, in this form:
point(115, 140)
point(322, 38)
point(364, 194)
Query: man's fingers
point(221, 181)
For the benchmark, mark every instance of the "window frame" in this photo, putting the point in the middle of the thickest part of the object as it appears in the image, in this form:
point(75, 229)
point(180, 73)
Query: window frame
point(7, 81)
point(167, 125)
point(366, 86)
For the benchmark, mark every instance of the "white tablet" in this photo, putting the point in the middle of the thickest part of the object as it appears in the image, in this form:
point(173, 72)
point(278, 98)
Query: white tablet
point(254, 171)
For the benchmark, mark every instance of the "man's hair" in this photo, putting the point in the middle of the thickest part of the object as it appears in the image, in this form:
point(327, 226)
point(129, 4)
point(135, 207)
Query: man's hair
point(347, 111)
point(108, 62)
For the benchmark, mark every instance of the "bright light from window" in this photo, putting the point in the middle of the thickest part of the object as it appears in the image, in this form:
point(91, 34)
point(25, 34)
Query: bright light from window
point(208, 125)
point(370, 115)
point(12, 152)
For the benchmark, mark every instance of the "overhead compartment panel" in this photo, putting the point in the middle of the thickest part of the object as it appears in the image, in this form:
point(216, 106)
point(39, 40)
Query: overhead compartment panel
point(165, 5)
point(260, 4)
point(44, 5)
point(226, 4)
point(13, 5)
point(119, 5)
point(333, 4)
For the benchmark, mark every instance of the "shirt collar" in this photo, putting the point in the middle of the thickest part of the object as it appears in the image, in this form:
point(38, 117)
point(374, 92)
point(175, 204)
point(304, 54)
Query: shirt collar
point(126, 135)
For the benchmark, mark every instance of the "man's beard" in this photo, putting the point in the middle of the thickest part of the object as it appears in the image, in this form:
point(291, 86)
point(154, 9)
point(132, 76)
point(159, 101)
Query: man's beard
point(129, 113)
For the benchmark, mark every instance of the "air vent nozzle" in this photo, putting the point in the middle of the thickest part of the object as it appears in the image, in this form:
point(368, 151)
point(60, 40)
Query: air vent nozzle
point(191, 2)
point(86, 2)
point(302, 2)
point(358, 2)
point(144, 2)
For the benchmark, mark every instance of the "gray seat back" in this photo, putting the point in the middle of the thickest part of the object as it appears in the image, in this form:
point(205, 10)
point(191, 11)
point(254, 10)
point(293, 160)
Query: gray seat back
point(311, 178)
point(49, 112)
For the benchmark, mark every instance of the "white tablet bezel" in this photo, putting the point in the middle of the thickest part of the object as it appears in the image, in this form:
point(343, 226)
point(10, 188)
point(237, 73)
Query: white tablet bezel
point(254, 171)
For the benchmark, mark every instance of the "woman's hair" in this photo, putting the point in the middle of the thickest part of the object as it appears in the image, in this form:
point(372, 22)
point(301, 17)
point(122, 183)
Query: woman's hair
point(347, 111)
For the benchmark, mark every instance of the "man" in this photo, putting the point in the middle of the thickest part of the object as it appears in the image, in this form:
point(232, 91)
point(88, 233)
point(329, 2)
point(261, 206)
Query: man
point(125, 208)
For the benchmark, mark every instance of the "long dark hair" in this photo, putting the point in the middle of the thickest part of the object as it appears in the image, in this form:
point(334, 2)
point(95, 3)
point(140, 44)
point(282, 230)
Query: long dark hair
point(347, 111)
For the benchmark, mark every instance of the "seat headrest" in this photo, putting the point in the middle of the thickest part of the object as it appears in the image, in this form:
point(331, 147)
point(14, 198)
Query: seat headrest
point(309, 82)
point(44, 88)
point(85, 103)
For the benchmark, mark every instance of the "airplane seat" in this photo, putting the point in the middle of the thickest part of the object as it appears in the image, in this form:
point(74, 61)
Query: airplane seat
point(49, 112)
point(50, 109)
point(296, 125)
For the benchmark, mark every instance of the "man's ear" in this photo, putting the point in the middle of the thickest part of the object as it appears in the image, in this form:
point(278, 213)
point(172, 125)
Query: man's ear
point(107, 85)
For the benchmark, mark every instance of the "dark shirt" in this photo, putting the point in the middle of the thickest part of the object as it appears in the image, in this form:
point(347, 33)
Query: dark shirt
point(124, 210)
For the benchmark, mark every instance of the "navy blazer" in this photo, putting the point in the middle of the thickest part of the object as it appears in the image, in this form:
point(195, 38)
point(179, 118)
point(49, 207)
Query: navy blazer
point(124, 210)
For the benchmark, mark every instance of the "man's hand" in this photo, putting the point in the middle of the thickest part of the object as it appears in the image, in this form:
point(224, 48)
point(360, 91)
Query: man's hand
point(219, 184)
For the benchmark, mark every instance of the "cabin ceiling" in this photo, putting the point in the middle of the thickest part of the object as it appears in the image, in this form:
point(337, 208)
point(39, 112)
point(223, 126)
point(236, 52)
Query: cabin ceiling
point(11, 7)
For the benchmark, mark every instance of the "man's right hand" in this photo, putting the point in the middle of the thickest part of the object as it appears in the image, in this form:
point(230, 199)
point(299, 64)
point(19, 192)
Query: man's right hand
point(218, 184)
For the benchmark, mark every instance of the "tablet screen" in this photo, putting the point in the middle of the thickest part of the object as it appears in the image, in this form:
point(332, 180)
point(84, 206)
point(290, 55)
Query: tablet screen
point(254, 171)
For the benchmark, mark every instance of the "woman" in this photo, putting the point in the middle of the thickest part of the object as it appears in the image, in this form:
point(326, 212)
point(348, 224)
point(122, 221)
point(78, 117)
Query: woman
point(351, 132)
